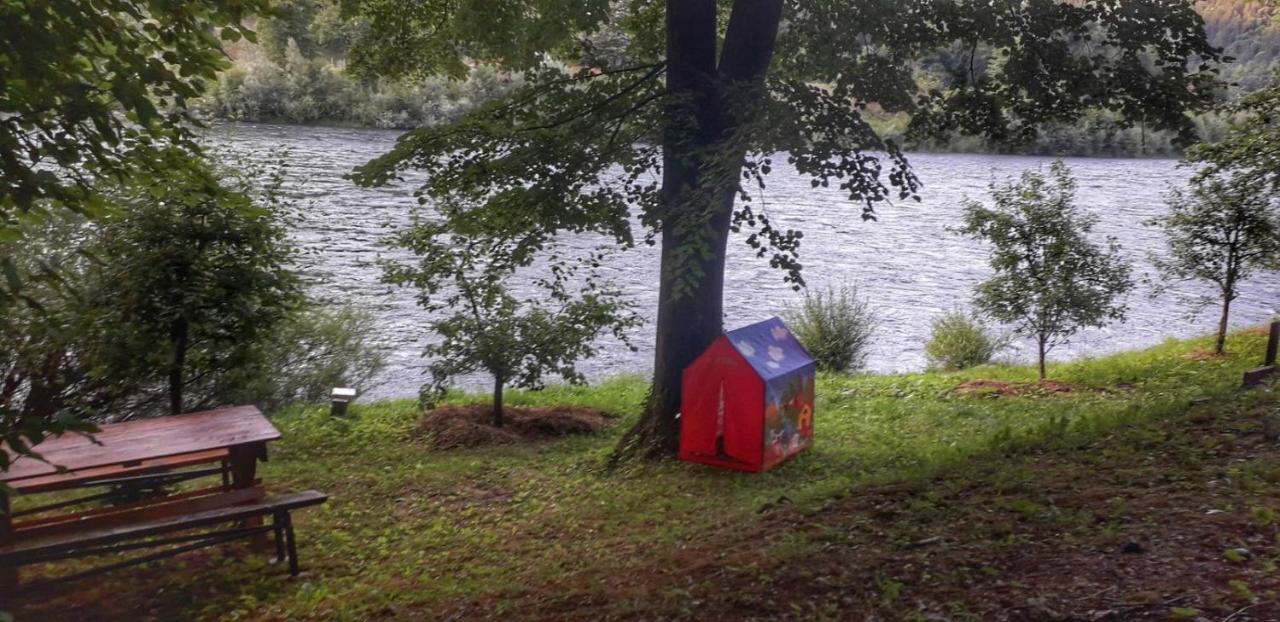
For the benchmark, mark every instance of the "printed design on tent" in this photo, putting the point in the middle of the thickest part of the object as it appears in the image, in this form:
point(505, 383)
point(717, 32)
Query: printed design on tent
point(775, 353)
point(788, 421)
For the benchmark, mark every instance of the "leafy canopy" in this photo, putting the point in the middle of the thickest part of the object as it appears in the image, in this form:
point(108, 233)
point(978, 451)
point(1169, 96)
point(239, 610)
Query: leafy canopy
point(1222, 231)
point(578, 148)
point(1251, 147)
point(98, 91)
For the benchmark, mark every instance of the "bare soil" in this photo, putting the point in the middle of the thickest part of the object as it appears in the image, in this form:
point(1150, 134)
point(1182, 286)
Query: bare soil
point(1204, 354)
point(998, 388)
point(471, 425)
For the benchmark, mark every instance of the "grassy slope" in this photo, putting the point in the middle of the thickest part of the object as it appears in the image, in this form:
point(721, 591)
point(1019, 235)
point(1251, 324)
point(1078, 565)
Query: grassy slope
point(904, 474)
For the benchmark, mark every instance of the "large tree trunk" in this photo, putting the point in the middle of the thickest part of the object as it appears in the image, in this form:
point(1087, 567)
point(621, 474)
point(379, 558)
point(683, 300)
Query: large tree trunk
point(698, 190)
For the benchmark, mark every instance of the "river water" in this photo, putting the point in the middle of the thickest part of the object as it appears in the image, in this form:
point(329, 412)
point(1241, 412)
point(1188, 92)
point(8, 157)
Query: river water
point(907, 264)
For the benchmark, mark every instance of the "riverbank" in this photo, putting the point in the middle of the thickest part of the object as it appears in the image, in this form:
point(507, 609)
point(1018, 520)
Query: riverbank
point(1142, 486)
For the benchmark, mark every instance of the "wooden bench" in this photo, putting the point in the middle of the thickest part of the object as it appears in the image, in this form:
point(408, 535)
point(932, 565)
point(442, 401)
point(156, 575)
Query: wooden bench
point(137, 463)
point(177, 530)
point(1257, 376)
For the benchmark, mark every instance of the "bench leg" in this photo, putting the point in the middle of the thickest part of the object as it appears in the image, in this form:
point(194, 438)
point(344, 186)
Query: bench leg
point(277, 522)
point(8, 575)
point(291, 545)
point(243, 462)
point(8, 581)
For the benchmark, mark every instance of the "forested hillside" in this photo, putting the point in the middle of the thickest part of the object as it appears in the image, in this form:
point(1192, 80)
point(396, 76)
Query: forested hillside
point(1247, 30)
point(1249, 34)
point(303, 71)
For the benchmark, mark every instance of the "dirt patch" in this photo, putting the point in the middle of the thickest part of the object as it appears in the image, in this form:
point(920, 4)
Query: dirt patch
point(471, 425)
point(997, 388)
point(1257, 331)
point(1204, 354)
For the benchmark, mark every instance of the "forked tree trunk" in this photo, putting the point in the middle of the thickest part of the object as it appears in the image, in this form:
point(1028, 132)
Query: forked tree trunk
point(697, 199)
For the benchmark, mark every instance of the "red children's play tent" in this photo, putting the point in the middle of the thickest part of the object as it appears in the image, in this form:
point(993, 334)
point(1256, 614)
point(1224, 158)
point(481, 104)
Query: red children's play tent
point(748, 399)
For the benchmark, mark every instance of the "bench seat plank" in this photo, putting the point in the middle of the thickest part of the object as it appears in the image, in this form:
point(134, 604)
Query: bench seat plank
point(171, 505)
point(107, 535)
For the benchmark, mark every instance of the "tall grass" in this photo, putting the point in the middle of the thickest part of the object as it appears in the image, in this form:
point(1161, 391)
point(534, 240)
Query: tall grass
point(835, 326)
point(959, 340)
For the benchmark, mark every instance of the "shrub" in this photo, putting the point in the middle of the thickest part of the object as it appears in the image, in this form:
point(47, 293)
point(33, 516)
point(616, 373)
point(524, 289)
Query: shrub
point(183, 297)
point(835, 326)
point(312, 352)
point(959, 341)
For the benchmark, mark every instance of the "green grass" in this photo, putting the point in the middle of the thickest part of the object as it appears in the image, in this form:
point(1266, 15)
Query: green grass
point(408, 530)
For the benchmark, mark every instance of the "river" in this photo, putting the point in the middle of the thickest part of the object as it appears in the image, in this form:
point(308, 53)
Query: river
point(909, 266)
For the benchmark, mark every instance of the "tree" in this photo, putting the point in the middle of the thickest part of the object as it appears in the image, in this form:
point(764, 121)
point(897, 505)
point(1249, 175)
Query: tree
point(100, 93)
point(1050, 279)
point(47, 387)
point(1251, 147)
point(198, 269)
point(213, 260)
point(90, 93)
point(714, 89)
point(314, 26)
point(1221, 232)
point(516, 342)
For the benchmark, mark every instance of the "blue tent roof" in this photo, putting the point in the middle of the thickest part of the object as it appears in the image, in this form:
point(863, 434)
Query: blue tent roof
point(770, 348)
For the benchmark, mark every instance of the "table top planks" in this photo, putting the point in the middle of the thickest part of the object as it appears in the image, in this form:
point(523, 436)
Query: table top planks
point(72, 479)
point(147, 439)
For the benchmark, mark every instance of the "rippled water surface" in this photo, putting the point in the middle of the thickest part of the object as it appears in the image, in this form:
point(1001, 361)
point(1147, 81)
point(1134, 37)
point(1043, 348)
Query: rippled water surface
point(908, 264)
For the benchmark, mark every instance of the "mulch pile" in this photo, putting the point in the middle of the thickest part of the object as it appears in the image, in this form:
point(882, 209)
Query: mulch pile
point(998, 388)
point(471, 425)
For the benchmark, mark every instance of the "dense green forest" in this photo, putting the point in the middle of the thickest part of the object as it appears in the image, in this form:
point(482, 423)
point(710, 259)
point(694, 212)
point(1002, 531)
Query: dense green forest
point(303, 70)
point(1247, 31)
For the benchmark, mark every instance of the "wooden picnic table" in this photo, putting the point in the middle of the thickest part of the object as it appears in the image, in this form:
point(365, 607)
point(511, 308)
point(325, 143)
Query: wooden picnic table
point(125, 444)
point(141, 451)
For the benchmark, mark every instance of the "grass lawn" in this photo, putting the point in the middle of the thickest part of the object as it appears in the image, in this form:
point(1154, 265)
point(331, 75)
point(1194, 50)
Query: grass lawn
point(1149, 491)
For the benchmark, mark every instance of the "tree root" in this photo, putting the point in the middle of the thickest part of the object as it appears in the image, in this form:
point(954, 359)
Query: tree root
point(653, 438)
